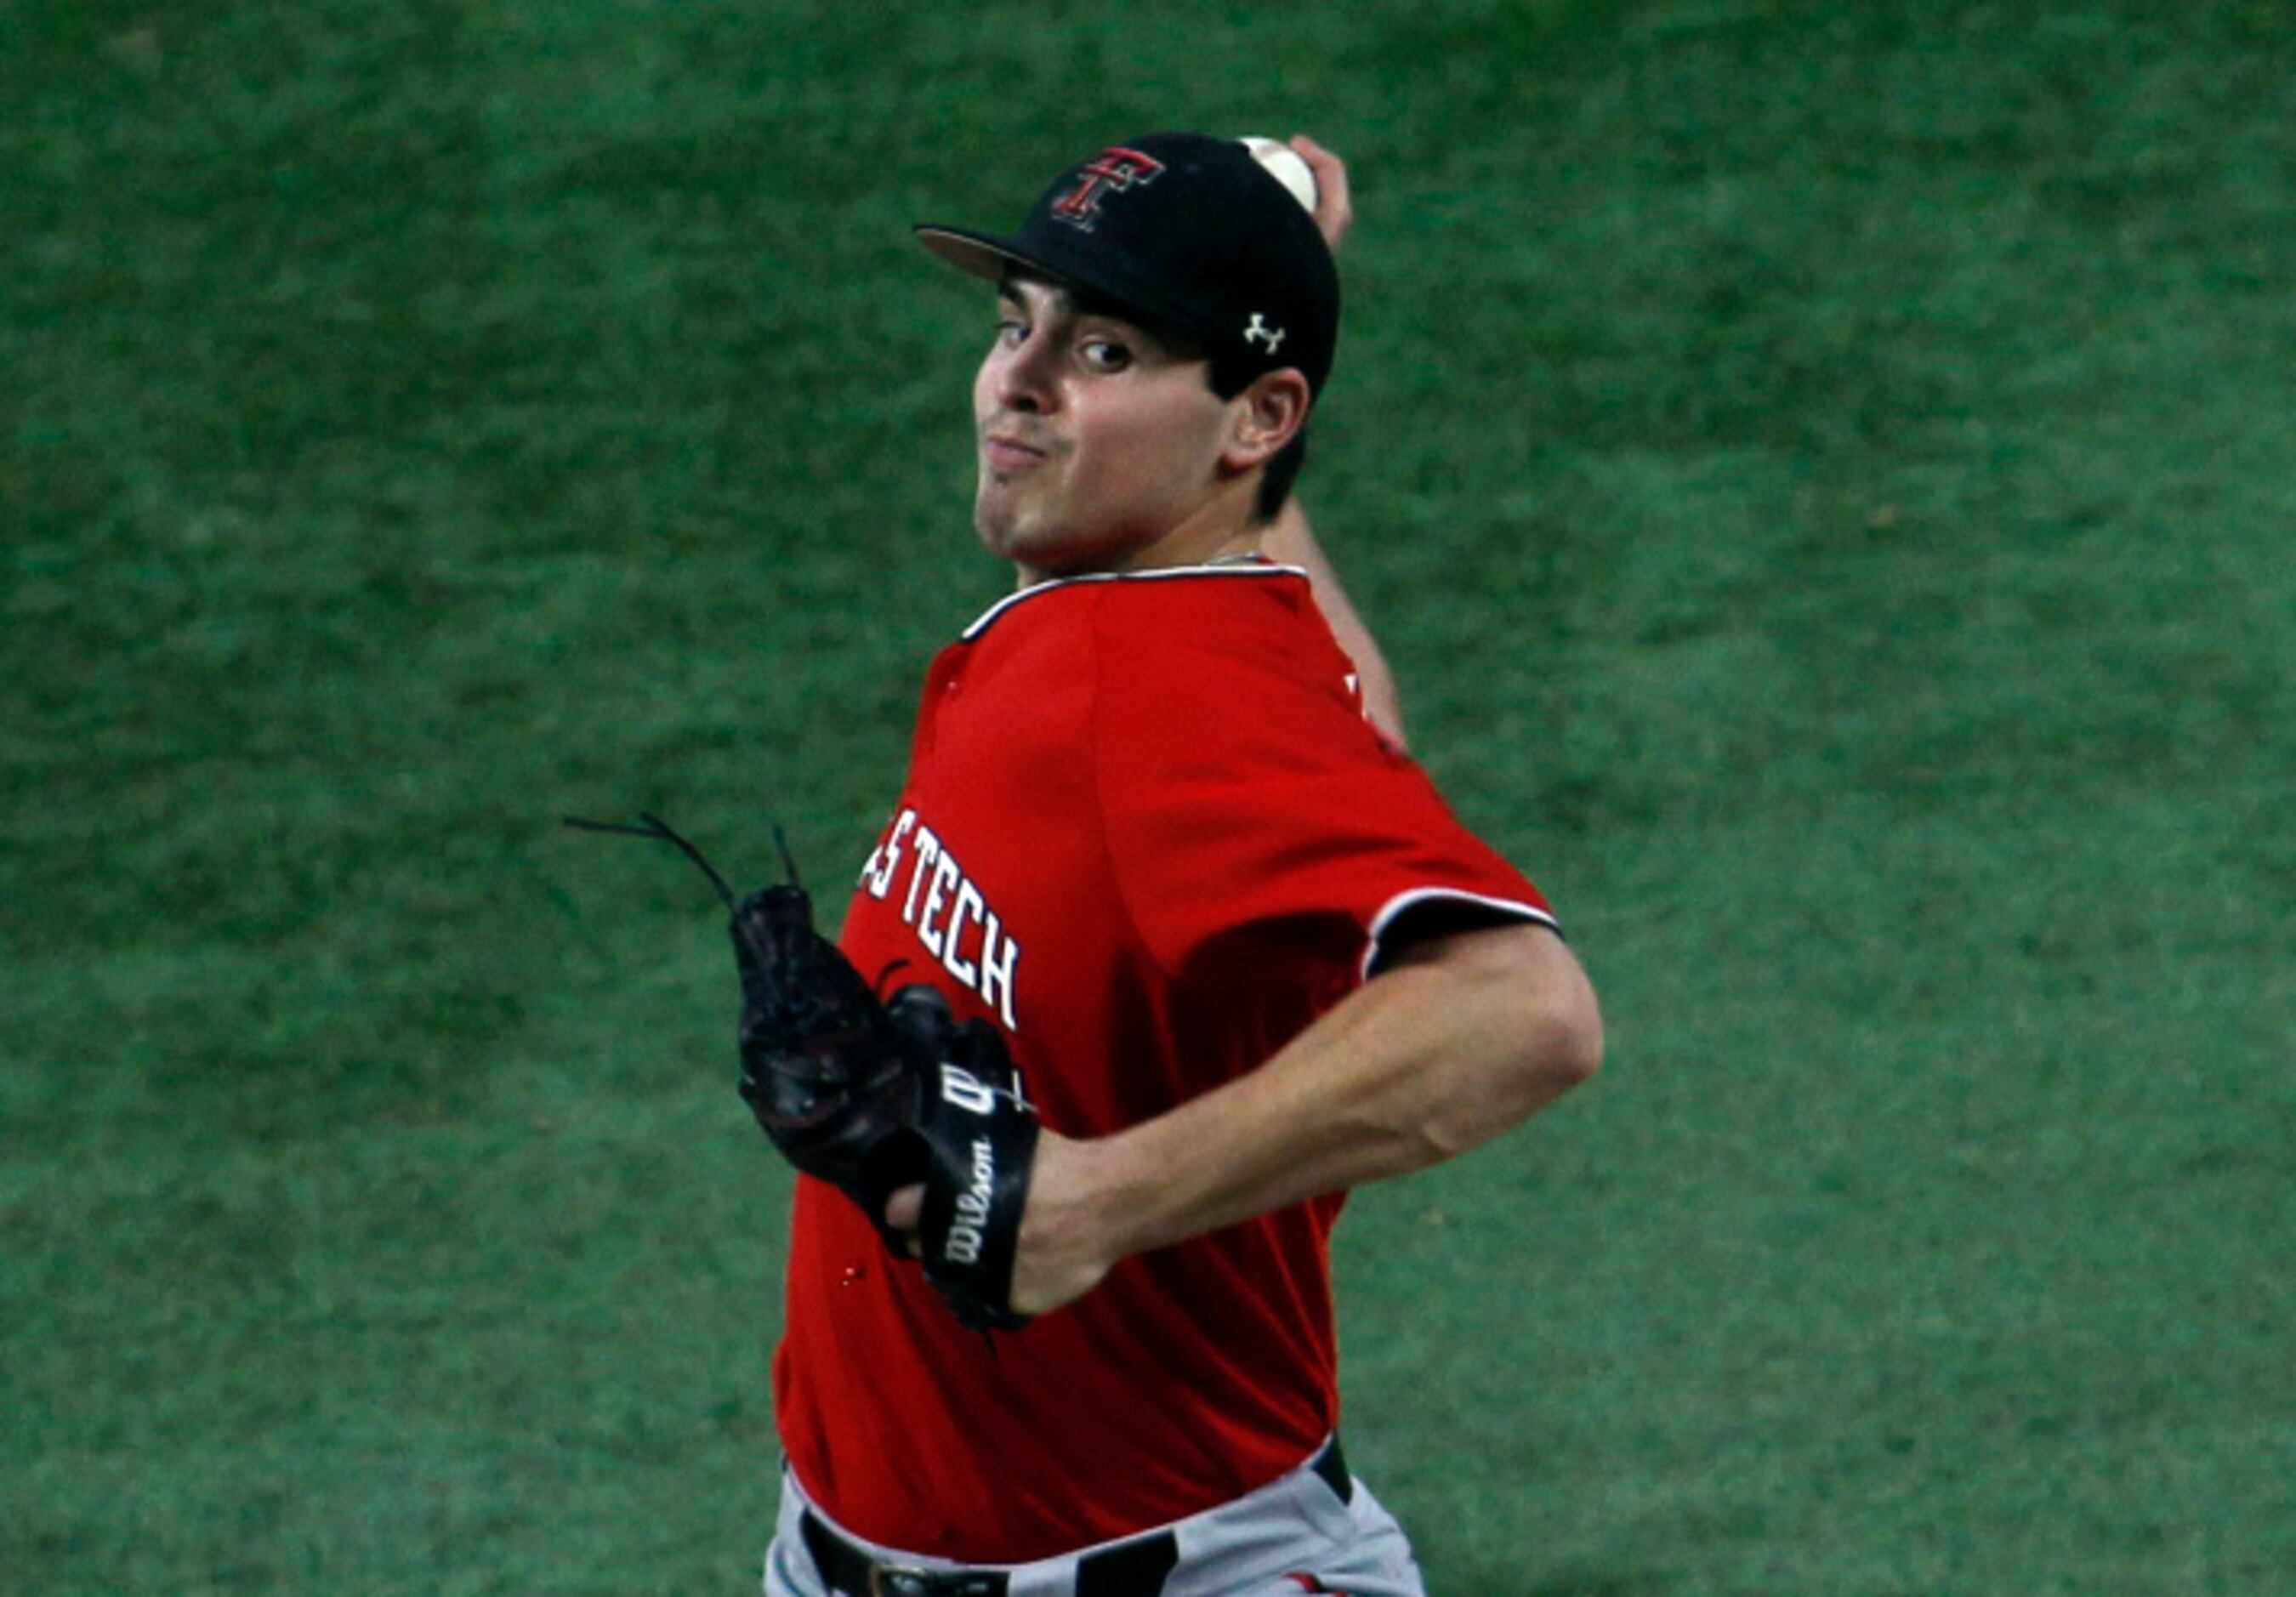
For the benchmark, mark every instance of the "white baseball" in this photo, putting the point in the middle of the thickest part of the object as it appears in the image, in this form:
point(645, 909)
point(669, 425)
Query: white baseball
point(1288, 168)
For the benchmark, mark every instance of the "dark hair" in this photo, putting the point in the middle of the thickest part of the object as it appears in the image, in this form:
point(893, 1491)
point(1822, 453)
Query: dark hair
point(1230, 378)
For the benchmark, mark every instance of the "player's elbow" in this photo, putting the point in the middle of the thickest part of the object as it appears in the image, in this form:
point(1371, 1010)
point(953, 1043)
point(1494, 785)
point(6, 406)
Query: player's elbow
point(1535, 1039)
point(1556, 1027)
point(1568, 1039)
point(1521, 1028)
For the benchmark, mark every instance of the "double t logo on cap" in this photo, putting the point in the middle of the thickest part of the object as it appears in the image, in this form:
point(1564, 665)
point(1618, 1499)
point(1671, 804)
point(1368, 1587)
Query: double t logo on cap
point(1113, 170)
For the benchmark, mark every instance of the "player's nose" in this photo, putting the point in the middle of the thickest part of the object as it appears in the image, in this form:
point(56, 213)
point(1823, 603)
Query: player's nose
point(1023, 378)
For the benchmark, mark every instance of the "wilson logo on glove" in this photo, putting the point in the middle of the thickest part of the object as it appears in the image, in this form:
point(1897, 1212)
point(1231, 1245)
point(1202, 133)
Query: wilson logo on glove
point(962, 1245)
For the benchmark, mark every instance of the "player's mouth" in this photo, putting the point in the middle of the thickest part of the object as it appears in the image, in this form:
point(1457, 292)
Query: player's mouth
point(1005, 452)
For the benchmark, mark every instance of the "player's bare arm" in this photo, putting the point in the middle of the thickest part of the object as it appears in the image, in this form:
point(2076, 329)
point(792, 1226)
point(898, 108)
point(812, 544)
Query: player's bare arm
point(1290, 539)
point(1459, 1040)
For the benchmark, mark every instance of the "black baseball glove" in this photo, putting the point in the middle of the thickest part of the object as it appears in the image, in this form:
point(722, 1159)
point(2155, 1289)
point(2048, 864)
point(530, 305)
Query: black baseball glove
point(873, 1097)
point(829, 1079)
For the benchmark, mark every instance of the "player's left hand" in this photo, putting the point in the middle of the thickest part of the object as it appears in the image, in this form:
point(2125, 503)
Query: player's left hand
point(1058, 1259)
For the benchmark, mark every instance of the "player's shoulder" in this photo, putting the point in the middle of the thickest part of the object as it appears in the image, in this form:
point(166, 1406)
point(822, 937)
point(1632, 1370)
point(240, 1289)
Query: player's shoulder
point(1257, 617)
point(1232, 666)
point(1248, 629)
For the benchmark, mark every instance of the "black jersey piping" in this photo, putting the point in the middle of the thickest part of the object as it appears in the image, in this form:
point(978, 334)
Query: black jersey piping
point(1511, 908)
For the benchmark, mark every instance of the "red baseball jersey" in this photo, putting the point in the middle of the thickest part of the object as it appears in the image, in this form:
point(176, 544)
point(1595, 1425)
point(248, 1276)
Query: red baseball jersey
point(1147, 831)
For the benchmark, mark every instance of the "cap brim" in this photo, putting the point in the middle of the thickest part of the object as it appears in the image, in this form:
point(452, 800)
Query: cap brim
point(990, 257)
point(979, 254)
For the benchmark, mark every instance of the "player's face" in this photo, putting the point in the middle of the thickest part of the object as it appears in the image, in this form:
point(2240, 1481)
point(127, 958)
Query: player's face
point(1100, 444)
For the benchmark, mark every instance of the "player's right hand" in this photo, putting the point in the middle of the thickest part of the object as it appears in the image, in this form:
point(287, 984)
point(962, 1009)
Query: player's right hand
point(1333, 213)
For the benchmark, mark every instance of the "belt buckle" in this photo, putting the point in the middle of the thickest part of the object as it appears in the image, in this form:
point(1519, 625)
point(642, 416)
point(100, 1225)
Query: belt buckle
point(900, 1580)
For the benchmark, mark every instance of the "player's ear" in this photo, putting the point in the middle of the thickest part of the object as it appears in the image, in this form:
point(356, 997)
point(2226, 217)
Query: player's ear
point(1264, 417)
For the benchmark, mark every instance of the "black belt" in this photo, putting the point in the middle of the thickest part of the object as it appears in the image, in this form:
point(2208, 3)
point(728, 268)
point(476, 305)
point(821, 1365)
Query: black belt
point(1133, 1568)
point(1332, 1464)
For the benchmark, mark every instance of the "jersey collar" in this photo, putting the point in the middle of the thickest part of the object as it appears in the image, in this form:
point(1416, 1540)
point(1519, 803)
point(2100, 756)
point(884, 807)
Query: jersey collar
point(1253, 565)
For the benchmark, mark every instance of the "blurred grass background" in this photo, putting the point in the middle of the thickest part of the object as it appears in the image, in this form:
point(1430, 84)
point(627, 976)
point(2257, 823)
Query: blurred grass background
point(1824, 477)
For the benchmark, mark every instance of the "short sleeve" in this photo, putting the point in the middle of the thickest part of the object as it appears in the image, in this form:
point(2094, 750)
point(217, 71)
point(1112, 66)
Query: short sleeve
point(1240, 787)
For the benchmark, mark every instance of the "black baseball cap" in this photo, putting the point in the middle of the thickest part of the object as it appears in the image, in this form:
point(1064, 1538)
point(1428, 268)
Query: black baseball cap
point(1185, 231)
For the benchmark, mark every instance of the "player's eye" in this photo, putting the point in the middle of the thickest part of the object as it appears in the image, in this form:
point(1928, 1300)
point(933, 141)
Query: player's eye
point(1104, 354)
point(1011, 330)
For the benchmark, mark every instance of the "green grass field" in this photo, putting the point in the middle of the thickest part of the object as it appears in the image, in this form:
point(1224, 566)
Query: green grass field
point(1824, 476)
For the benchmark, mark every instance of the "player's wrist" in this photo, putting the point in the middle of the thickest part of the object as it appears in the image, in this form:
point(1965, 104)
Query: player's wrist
point(1076, 1228)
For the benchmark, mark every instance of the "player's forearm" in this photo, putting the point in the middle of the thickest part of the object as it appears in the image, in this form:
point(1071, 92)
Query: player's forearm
point(1432, 1059)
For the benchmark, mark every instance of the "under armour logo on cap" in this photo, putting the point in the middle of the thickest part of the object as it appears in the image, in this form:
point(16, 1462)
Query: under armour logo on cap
point(1260, 332)
point(1112, 171)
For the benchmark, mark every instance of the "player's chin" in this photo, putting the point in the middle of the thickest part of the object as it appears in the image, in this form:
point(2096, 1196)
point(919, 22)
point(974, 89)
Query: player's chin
point(1012, 527)
point(1000, 533)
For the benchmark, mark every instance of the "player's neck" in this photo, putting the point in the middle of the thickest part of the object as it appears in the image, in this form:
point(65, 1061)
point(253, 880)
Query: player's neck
point(1223, 527)
point(1199, 541)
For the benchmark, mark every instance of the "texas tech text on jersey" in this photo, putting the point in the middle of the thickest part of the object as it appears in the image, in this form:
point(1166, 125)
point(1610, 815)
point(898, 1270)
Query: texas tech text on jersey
point(944, 907)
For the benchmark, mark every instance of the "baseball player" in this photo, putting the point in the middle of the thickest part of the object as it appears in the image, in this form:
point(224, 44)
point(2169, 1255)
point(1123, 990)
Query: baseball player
point(1242, 955)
